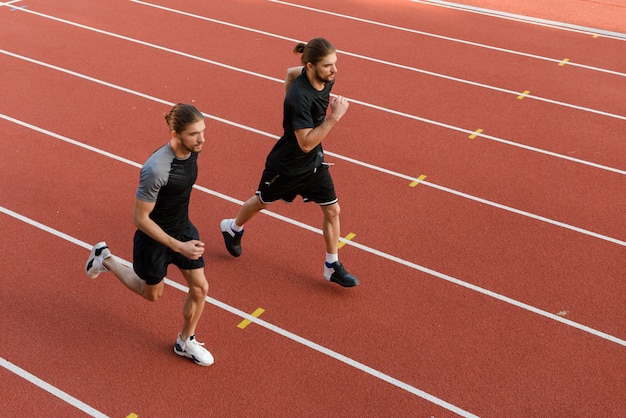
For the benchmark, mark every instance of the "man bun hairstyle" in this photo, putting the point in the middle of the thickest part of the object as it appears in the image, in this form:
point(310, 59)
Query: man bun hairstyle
point(181, 116)
point(314, 51)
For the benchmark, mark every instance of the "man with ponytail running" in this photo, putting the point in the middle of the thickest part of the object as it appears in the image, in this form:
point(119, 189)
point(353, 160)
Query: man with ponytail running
point(295, 166)
point(165, 235)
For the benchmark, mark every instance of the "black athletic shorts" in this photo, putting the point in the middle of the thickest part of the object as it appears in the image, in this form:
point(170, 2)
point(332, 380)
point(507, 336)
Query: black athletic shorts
point(315, 186)
point(151, 259)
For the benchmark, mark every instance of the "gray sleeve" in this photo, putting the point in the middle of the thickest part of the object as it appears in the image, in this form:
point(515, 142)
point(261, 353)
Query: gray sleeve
point(154, 175)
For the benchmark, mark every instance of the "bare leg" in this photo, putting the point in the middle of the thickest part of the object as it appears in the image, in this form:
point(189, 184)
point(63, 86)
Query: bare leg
point(331, 227)
point(129, 279)
point(337, 273)
point(250, 208)
point(194, 302)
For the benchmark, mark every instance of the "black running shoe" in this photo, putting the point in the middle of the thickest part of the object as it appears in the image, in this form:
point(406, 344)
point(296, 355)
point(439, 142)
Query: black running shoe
point(340, 276)
point(232, 239)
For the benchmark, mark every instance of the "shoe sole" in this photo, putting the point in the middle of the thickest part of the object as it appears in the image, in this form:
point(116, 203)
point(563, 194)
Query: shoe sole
point(95, 252)
point(344, 284)
point(192, 357)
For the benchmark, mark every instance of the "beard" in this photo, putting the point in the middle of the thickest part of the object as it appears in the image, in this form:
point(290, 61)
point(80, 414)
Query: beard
point(192, 149)
point(324, 79)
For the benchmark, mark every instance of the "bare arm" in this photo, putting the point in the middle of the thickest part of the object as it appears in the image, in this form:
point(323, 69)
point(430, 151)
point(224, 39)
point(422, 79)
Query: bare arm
point(141, 217)
point(292, 74)
point(310, 138)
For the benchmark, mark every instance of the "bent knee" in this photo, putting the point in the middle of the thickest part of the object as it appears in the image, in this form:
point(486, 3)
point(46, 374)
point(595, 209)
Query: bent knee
point(260, 205)
point(152, 297)
point(153, 293)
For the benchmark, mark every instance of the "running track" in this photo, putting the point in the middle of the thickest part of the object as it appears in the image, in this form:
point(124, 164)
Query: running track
point(481, 167)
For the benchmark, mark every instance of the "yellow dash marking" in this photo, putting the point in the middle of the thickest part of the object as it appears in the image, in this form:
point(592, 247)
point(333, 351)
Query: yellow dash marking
point(595, 36)
point(132, 415)
point(475, 134)
point(563, 313)
point(348, 237)
point(247, 322)
point(417, 181)
point(563, 62)
point(524, 94)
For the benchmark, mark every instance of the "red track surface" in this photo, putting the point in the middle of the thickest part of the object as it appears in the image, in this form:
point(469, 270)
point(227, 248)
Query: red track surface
point(495, 287)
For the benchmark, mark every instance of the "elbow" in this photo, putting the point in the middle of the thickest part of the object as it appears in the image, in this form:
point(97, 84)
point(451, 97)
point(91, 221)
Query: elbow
point(306, 140)
point(138, 221)
point(306, 148)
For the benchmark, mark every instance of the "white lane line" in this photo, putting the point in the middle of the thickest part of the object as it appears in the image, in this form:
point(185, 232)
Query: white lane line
point(526, 19)
point(365, 104)
point(402, 114)
point(53, 390)
point(9, 3)
point(405, 67)
point(362, 247)
point(237, 125)
point(409, 68)
point(442, 37)
point(493, 138)
point(280, 331)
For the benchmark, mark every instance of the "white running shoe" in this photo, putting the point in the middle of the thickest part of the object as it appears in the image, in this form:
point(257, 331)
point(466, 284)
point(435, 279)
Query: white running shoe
point(94, 266)
point(193, 350)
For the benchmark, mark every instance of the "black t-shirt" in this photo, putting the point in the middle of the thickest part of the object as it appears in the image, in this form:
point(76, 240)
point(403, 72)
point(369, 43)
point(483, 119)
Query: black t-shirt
point(168, 181)
point(304, 107)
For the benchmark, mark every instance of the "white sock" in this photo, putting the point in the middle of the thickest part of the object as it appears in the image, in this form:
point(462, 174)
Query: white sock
point(236, 227)
point(331, 258)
